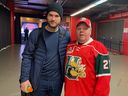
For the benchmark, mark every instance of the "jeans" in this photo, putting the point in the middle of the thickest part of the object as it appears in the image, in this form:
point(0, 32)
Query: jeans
point(48, 88)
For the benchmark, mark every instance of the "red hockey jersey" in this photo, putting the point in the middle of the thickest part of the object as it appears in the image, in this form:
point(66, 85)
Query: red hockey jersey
point(87, 70)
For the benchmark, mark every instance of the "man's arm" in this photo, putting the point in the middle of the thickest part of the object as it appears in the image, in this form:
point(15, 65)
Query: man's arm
point(27, 60)
point(103, 75)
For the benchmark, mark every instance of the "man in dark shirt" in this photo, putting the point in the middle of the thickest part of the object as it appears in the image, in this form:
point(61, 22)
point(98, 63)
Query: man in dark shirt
point(43, 58)
point(26, 31)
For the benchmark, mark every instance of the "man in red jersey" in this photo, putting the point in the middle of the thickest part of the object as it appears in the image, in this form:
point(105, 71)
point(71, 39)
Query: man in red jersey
point(87, 65)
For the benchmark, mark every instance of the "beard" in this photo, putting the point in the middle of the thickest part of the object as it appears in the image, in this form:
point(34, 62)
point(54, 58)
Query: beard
point(52, 24)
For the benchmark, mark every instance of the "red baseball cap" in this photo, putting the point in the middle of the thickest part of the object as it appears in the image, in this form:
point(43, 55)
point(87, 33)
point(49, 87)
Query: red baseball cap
point(84, 20)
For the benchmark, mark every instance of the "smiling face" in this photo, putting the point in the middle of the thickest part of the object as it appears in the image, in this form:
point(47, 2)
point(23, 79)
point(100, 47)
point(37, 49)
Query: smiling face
point(83, 32)
point(53, 19)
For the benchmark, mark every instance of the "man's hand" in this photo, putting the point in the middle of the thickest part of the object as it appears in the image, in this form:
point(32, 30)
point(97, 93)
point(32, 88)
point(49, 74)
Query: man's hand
point(26, 86)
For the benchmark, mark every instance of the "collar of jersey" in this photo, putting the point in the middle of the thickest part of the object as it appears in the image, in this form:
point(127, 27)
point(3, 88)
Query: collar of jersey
point(89, 41)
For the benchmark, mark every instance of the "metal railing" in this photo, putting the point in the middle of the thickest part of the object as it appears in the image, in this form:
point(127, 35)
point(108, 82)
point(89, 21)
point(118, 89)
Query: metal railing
point(114, 46)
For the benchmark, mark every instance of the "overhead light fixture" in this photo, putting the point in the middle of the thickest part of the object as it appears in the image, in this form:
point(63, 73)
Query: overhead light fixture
point(89, 7)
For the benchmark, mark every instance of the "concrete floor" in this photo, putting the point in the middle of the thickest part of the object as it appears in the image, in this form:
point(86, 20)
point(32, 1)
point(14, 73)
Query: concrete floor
point(10, 59)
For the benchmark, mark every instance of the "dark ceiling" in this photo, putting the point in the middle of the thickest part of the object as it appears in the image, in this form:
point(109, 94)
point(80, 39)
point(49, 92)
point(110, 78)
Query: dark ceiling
point(70, 6)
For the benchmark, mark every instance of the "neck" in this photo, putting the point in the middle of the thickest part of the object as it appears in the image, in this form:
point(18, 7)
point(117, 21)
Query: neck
point(51, 29)
point(86, 40)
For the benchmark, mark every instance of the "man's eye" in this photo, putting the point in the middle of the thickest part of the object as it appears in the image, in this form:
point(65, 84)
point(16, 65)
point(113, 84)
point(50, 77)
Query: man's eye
point(57, 16)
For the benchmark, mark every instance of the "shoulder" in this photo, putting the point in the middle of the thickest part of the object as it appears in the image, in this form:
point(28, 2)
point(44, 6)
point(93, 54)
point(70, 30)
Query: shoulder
point(99, 47)
point(95, 42)
point(64, 32)
point(61, 28)
point(34, 34)
point(34, 31)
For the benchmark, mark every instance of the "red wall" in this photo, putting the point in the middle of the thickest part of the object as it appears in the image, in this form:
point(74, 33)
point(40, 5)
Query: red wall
point(94, 26)
point(125, 38)
point(73, 28)
point(11, 7)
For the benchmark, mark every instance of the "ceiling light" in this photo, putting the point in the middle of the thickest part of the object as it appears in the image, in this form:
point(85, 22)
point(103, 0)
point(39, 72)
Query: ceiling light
point(89, 7)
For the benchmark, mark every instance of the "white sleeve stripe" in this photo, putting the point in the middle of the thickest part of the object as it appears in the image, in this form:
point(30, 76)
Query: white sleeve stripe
point(99, 75)
point(97, 50)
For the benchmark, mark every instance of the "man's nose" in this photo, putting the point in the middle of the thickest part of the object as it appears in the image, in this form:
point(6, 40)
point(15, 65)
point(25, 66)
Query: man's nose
point(53, 17)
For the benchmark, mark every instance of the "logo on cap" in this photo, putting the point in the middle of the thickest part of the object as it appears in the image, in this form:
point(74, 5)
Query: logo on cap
point(84, 20)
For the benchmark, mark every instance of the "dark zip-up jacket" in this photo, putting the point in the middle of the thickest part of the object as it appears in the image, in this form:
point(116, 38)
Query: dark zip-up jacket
point(34, 55)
